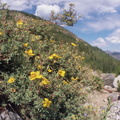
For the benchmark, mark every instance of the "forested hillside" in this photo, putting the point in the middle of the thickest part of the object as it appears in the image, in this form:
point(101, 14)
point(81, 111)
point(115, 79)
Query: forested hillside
point(95, 57)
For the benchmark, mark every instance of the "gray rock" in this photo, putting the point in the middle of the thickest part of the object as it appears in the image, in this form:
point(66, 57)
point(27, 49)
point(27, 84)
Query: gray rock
point(108, 78)
point(9, 115)
point(113, 96)
point(116, 81)
point(110, 88)
point(114, 113)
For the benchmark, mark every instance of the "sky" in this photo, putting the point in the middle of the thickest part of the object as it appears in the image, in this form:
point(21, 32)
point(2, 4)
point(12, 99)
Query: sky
point(99, 25)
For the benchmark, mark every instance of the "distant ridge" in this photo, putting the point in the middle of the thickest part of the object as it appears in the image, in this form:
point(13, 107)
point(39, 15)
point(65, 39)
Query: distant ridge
point(115, 55)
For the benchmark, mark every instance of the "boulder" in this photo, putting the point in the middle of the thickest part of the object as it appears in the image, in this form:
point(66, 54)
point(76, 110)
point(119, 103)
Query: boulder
point(108, 78)
point(116, 81)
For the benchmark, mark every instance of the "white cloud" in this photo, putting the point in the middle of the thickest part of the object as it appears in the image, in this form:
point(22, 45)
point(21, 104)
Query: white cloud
point(107, 22)
point(18, 4)
point(45, 10)
point(101, 14)
point(114, 37)
point(87, 7)
point(105, 9)
point(100, 42)
point(84, 7)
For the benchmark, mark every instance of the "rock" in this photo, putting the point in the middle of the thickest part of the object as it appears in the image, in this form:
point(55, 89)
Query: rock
point(104, 91)
point(114, 89)
point(105, 100)
point(113, 96)
point(110, 88)
point(9, 115)
point(116, 81)
point(108, 78)
point(114, 113)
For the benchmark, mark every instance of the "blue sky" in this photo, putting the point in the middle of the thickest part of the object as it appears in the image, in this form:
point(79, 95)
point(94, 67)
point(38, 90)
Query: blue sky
point(99, 25)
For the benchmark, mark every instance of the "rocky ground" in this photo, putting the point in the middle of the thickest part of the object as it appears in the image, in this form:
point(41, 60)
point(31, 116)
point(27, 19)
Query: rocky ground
point(114, 113)
point(99, 99)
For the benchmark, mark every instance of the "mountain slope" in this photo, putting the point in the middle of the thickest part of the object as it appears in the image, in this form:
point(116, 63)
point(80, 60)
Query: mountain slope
point(44, 69)
point(94, 57)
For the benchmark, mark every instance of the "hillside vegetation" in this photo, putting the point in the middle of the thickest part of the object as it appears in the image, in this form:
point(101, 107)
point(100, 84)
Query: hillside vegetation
point(43, 70)
point(94, 56)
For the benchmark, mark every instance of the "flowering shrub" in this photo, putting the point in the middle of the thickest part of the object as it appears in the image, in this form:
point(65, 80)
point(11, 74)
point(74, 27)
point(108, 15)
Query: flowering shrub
point(43, 79)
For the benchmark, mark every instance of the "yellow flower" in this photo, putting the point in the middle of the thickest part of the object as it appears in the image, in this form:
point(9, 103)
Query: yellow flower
point(61, 73)
point(82, 58)
point(86, 106)
point(37, 36)
point(54, 56)
point(79, 66)
point(1, 33)
point(65, 82)
point(80, 89)
point(49, 70)
point(73, 117)
point(72, 78)
point(11, 80)
point(44, 82)
point(52, 41)
point(25, 44)
point(32, 39)
point(37, 57)
point(29, 52)
point(73, 44)
point(103, 111)
point(46, 103)
point(35, 75)
point(19, 23)
point(90, 106)
point(40, 67)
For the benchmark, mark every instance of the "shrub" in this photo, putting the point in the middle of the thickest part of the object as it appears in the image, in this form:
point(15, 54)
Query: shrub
point(40, 78)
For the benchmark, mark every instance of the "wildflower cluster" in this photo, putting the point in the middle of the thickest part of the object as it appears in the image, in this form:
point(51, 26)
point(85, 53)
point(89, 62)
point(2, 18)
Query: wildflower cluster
point(19, 23)
point(41, 77)
point(54, 56)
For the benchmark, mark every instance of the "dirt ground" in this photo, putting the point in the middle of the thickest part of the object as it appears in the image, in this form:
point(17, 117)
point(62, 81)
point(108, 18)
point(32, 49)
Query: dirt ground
point(99, 98)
